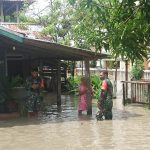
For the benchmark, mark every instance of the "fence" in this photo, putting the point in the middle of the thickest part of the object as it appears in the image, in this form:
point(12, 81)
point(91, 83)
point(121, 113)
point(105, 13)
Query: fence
point(140, 91)
point(120, 73)
point(137, 91)
point(111, 72)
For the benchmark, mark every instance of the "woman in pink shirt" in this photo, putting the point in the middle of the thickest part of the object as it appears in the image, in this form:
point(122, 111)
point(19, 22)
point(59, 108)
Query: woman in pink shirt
point(82, 106)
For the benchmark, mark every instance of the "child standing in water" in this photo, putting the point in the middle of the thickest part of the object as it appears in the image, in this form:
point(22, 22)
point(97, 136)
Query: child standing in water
point(82, 96)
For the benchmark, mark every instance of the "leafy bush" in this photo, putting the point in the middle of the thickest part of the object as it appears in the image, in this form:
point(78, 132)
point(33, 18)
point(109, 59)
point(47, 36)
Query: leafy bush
point(73, 84)
point(17, 81)
point(137, 70)
point(96, 82)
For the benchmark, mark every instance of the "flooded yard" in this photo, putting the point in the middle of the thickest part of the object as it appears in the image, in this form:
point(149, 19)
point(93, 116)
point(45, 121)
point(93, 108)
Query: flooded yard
point(65, 130)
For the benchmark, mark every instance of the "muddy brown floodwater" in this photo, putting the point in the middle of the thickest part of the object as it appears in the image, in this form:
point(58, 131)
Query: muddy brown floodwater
point(129, 129)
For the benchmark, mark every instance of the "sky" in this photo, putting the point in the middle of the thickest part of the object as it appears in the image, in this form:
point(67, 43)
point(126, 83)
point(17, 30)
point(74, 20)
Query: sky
point(38, 7)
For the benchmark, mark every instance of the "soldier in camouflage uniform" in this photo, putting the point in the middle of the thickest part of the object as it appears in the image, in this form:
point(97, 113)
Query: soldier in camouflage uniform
point(34, 85)
point(105, 102)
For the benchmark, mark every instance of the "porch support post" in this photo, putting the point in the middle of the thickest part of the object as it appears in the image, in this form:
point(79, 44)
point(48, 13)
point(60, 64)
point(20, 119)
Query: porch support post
point(82, 68)
point(6, 65)
point(17, 12)
point(58, 84)
point(2, 12)
point(115, 81)
point(89, 96)
point(126, 77)
point(41, 66)
point(3, 66)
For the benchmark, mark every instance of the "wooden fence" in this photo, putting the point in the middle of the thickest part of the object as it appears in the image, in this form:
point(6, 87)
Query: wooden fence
point(136, 91)
point(120, 73)
point(140, 91)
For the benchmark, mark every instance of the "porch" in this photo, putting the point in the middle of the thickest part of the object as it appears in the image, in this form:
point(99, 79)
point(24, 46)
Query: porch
point(19, 53)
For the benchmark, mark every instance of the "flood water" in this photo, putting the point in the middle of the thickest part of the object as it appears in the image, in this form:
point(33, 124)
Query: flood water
point(65, 130)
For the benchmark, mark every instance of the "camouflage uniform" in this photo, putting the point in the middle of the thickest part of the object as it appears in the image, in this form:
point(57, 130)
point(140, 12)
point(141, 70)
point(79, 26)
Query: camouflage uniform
point(105, 102)
point(34, 96)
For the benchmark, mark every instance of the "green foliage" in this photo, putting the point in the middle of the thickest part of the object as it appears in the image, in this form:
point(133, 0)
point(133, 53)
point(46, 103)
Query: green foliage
point(6, 85)
point(96, 83)
point(57, 23)
point(93, 64)
point(23, 26)
point(73, 84)
point(17, 81)
point(25, 19)
point(122, 27)
point(137, 70)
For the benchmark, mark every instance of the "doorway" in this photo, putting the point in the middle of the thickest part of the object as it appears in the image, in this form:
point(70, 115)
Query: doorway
point(15, 66)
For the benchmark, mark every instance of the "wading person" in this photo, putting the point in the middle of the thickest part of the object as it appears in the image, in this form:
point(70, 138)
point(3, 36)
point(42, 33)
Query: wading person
point(105, 102)
point(82, 106)
point(34, 85)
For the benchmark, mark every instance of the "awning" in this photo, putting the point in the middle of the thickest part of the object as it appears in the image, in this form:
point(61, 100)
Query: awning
point(44, 49)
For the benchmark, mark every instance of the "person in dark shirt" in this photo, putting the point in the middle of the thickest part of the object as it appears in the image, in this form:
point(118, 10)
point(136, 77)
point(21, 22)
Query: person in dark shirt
point(34, 85)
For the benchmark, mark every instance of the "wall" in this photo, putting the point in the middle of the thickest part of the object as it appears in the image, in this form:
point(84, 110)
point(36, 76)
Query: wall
point(2, 62)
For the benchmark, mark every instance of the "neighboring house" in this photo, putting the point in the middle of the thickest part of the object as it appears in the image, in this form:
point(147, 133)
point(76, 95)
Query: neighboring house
point(9, 9)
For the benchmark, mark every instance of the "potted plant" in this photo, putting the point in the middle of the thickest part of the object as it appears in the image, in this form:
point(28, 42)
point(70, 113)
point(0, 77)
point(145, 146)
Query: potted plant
point(19, 93)
point(18, 89)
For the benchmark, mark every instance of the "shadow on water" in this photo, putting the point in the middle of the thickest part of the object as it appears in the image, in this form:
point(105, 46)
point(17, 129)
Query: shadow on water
point(68, 112)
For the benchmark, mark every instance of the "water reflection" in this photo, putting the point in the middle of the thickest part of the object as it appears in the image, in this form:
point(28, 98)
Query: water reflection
point(65, 130)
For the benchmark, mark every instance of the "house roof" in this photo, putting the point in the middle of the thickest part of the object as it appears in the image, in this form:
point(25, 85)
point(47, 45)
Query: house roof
point(45, 49)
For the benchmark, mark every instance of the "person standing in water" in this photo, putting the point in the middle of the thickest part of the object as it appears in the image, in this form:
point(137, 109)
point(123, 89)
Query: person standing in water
point(82, 106)
point(105, 102)
point(34, 85)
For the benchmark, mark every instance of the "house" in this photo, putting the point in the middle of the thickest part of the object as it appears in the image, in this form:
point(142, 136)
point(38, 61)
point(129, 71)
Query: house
point(9, 9)
point(19, 53)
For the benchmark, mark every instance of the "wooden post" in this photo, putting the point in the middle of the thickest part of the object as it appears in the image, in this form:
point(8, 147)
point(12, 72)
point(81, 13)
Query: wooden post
point(123, 87)
point(82, 68)
point(126, 77)
point(135, 93)
point(17, 12)
point(58, 85)
point(41, 66)
point(149, 96)
point(2, 12)
point(132, 92)
point(89, 97)
point(115, 83)
point(6, 65)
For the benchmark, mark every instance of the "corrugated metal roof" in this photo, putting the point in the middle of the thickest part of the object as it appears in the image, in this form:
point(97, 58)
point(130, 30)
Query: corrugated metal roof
point(11, 34)
point(45, 49)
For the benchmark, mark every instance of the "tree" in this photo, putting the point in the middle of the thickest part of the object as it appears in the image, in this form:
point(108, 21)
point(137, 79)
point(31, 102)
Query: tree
point(56, 22)
point(120, 26)
point(23, 18)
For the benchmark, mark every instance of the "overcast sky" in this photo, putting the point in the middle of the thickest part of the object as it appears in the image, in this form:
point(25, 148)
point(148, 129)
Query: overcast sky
point(39, 6)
